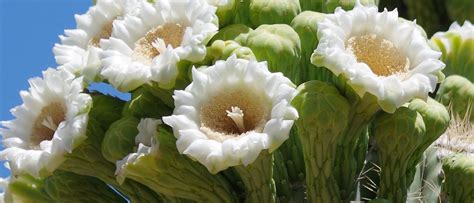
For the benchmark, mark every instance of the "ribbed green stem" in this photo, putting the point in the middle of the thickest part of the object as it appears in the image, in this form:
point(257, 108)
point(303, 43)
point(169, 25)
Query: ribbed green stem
point(393, 185)
point(257, 179)
point(346, 165)
point(280, 175)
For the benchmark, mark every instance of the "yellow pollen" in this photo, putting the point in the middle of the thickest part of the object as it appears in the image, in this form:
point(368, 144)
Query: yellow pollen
point(222, 117)
point(105, 33)
point(47, 122)
point(379, 54)
point(171, 34)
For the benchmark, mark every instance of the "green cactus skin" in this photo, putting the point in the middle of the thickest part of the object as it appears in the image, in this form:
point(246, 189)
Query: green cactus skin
point(436, 119)
point(107, 109)
point(430, 14)
point(273, 11)
point(460, 10)
point(145, 105)
point(277, 44)
point(318, 102)
point(457, 92)
point(305, 24)
point(328, 6)
point(397, 136)
point(169, 173)
point(428, 178)
point(459, 177)
point(237, 32)
point(280, 176)
point(460, 58)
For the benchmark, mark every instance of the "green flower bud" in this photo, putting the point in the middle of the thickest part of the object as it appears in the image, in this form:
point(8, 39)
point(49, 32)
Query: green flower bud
point(397, 136)
point(106, 109)
point(237, 32)
point(436, 119)
point(273, 11)
point(460, 10)
point(458, 93)
point(457, 46)
point(459, 178)
point(279, 45)
point(69, 187)
point(119, 139)
point(324, 115)
point(226, 12)
point(221, 50)
point(328, 6)
point(305, 24)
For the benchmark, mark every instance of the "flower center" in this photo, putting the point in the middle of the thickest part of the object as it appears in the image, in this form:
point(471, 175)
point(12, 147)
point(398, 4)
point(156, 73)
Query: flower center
point(147, 47)
point(105, 33)
point(234, 112)
point(47, 122)
point(379, 54)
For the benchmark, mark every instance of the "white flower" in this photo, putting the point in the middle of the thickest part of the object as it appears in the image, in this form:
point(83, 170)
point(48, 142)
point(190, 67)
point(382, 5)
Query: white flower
point(231, 112)
point(79, 49)
point(51, 121)
point(146, 47)
point(146, 141)
point(466, 31)
point(4, 189)
point(378, 53)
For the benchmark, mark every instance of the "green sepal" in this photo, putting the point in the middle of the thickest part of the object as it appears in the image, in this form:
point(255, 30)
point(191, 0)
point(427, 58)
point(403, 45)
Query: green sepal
point(277, 44)
point(106, 109)
point(169, 173)
point(459, 177)
point(119, 139)
point(324, 115)
point(397, 135)
point(272, 11)
point(237, 32)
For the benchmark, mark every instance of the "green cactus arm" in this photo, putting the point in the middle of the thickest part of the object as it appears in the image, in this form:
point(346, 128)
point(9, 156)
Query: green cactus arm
point(328, 6)
point(167, 172)
point(273, 11)
point(397, 136)
point(277, 44)
point(69, 187)
point(317, 103)
point(459, 177)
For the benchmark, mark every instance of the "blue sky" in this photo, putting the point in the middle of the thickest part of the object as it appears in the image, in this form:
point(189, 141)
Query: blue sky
point(28, 31)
